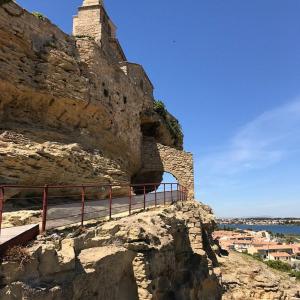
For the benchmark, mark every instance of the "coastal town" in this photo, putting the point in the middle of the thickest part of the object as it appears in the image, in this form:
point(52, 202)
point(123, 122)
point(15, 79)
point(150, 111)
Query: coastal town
point(260, 221)
point(261, 245)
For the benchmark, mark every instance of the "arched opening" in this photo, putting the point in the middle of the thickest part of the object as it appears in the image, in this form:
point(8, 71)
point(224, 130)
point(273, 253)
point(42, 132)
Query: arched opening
point(145, 178)
point(168, 180)
point(162, 192)
point(162, 163)
point(165, 193)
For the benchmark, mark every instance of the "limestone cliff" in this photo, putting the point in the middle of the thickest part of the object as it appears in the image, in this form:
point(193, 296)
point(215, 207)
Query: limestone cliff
point(159, 254)
point(72, 109)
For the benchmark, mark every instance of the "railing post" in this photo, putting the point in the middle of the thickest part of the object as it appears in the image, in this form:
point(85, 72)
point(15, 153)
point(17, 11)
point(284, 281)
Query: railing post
point(130, 196)
point(164, 194)
point(1, 206)
point(82, 204)
point(45, 208)
point(110, 201)
point(177, 192)
point(144, 197)
point(171, 193)
point(155, 195)
point(180, 198)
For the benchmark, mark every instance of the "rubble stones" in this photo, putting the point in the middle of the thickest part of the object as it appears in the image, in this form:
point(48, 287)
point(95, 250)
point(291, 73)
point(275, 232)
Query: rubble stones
point(150, 255)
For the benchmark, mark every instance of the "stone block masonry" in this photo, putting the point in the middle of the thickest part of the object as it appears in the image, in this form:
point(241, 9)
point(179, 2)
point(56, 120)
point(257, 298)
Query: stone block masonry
point(71, 107)
point(159, 158)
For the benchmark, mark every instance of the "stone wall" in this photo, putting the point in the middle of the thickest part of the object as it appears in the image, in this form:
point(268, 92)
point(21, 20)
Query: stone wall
point(158, 158)
point(68, 111)
point(139, 77)
point(93, 21)
point(180, 164)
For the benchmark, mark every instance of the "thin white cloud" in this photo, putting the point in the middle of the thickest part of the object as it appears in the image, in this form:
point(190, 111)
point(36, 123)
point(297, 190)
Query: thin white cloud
point(264, 141)
point(226, 178)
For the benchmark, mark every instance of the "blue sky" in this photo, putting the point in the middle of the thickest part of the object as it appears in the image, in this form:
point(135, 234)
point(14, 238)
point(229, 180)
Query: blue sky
point(230, 71)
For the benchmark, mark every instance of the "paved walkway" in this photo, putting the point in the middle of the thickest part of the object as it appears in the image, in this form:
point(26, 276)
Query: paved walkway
point(65, 214)
point(70, 213)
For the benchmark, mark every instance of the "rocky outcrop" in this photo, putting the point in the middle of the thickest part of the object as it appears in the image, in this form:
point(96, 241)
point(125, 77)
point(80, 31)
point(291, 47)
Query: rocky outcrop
point(159, 254)
point(244, 278)
point(68, 111)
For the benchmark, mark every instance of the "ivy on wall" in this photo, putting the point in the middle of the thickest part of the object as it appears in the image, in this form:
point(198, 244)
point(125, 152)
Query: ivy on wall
point(172, 123)
point(39, 15)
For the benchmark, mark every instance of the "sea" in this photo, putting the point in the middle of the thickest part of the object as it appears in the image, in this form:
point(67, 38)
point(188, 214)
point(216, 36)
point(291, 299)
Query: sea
point(283, 229)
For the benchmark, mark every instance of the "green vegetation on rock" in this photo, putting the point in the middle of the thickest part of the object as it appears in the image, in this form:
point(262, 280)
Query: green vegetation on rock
point(295, 274)
point(172, 123)
point(39, 15)
point(278, 265)
point(160, 108)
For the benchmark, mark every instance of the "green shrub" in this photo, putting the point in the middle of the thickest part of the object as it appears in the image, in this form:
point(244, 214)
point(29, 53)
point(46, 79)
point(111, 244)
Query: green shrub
point(160, 108)
point(172, 123)
point(290, 240)
point(295, 274)
point(279, 265)
point(39, 15)
point(257, 257)
point(175, 130)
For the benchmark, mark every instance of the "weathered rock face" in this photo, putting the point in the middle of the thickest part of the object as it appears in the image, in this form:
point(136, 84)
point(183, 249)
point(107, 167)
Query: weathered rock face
point(57, 92)
point(70, 111)
point(159, 254)
point(244, 278)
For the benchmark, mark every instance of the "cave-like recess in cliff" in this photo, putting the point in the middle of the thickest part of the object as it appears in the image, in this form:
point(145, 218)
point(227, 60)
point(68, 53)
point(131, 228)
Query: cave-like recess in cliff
point(164, 177)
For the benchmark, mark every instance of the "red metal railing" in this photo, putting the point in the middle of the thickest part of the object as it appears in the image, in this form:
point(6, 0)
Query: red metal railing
point(63, 205)
point(1, 205)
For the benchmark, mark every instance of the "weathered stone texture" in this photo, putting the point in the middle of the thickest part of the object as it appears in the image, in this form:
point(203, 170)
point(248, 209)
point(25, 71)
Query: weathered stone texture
point(244, 278)
point(159, 254)
point(159, 158)
point(67, 112)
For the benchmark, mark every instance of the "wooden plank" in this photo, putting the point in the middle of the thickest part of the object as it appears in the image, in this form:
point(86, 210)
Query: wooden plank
point(17, 236)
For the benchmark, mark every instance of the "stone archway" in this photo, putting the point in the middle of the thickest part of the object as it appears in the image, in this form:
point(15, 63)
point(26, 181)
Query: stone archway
point(158, 159)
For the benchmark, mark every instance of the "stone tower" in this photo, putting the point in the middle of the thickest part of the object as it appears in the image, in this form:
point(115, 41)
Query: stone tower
point(93, 21)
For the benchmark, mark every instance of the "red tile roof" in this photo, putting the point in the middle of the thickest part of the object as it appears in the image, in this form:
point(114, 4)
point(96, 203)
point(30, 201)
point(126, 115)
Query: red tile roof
point(280, 254)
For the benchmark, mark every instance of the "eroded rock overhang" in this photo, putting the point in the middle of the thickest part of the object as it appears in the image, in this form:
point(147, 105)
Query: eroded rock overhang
point(72, 109)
